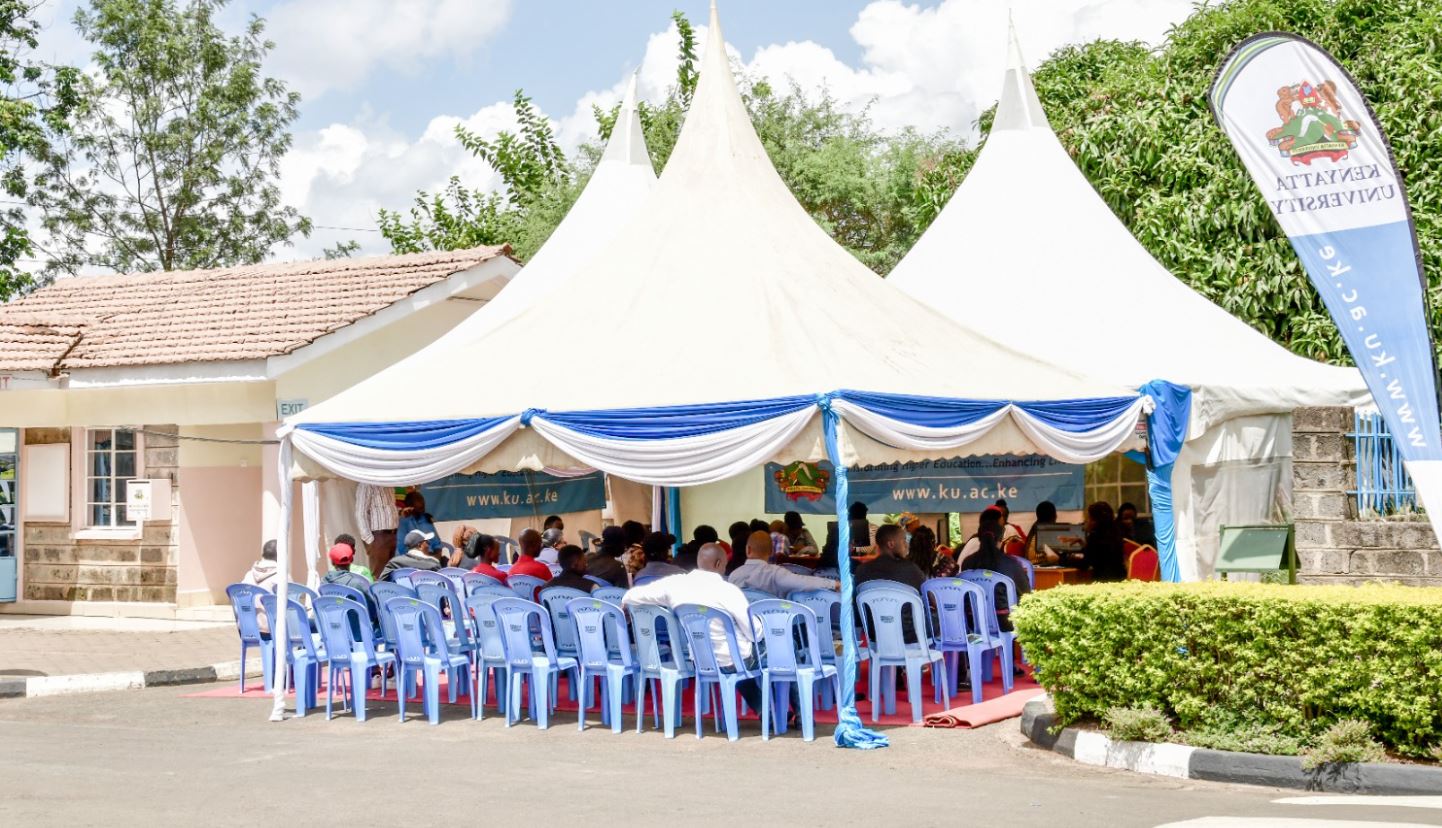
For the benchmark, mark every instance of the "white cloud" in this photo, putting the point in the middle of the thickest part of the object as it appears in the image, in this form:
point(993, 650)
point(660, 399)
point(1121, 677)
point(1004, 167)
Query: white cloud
point(324, 45)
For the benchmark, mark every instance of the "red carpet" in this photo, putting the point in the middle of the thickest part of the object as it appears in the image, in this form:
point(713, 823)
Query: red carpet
point(996, 704)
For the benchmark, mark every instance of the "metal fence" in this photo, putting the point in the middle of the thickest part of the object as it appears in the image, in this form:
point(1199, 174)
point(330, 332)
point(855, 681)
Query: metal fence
point(1383, 486)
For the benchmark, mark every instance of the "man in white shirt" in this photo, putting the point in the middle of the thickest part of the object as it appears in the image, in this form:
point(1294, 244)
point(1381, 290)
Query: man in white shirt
point(759, 573)
point(377, 517)
point(705, 586)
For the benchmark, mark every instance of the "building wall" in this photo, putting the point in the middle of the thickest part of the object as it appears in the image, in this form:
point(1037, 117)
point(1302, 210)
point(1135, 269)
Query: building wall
point(220, 510)
point(61, 567)
point(1334, 545)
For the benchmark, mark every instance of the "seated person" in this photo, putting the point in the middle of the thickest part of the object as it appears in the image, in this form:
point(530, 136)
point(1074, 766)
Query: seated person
point(415, 516)
point(989, 556)
point(657, 551)
point(551, 542)
point(703, 534)
point(758, 573)
point(487, 552)
point(740, 533)
point(922, 547)
point(342, 558)
point(798, 537)
point(1037, 552)
point(992, 522)
point(1013, 540)
point(264, 573)
point(573, 571)
point(464, 542)
point(605, 562)
point(416, 556)
point(528, 562)
point(357, 567)
point(863, 532)
point(891, 564)
point(1103, 553)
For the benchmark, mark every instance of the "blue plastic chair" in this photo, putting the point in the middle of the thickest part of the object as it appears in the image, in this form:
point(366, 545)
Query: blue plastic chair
point(958, 608)
point(243, 598)
point(785, 665)
point(456, 576)
point(609, 594)
point(988, 580)
point(303, 657)
point(351, 659)
point(604, 641)
point(882, 609)
point(753, 595)
point(828, 572)
point(645, 579)
point(1030, 571)
point(695, 622)
point(540, 669)
point(425, 649)
point(654, 628)
point(798, 569)
point(826, 604)
point(600, 582)
point(343, 591)
point(475, 580)
point(403, 575)
point(524, 586)
point(555, 600)
point(382, 592)
point(490, 656)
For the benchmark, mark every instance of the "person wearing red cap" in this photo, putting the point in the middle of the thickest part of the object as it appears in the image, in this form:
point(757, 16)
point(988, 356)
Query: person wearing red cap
point(342, 555)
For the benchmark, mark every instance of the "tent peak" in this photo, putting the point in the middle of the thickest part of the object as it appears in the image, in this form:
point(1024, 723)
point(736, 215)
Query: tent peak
point(1019, 107)
point(628, 142)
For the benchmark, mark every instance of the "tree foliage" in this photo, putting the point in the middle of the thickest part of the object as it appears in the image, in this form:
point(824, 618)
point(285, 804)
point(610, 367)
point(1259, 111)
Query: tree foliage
point(1137, 123)
point(173, 155)
point(36, 103)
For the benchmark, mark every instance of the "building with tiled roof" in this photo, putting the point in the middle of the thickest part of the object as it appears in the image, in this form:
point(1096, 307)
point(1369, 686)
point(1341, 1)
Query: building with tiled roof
point(179, 379)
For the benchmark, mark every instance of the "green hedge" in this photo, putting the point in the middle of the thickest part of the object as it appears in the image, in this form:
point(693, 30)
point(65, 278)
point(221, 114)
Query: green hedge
point(1217, 656)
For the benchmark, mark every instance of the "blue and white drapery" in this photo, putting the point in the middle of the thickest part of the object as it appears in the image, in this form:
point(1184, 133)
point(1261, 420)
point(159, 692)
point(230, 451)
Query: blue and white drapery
point(698, 444)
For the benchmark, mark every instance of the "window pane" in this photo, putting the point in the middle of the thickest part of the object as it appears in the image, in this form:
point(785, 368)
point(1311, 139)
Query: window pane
point(100, 490)
point(124, 439)
point(100, 438)
point(1133, 472)
point(1138, 496)
point(99, 464)
point(100, 515)
point(124, 464)
point(122, 514)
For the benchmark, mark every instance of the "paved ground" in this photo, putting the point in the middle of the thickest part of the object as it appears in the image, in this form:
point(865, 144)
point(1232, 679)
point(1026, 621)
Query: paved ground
point(55, 646)
point(152, 756)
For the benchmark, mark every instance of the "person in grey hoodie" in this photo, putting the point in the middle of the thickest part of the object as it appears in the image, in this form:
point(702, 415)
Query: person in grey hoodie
point(264, 573)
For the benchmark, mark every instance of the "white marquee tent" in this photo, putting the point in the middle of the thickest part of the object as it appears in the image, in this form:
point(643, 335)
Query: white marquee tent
point(728, 330)
point(1027, 253)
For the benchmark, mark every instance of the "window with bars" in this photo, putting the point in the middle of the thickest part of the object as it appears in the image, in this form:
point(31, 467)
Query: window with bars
point(1118, 480)
point(111, 458)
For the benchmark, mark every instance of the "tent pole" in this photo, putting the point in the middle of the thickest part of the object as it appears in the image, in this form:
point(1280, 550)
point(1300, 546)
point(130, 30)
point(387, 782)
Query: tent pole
point(850, 732)
point(282, 591)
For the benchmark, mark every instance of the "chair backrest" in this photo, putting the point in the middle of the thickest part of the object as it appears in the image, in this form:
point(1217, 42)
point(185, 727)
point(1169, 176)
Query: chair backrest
point(696, 622)
point(882, 607)
point(502, 567)
point(341, 591)
point(779, 620)
point(753, 594)
point(828, 572)
point(524, 586)
point(825, 604)
point(597, 581)
point(555, 600)
point(652, 625)
point(298, 590)
point(798, 569)
point(959, 608)
point(514, 615)
point(473, 580)
point(383, 592)
point(297, 625)
point(602, 635)
point(487, 628)
point(1144, 565)
point(403, 575)
point(880, 582)
point(612, 594)
point(437, 591)
point(243, 598)
point(1030, 571)
point(989, 580)
point(555, 569)
point(419, 632)
point(645, 579)
point(340, 619)
point(456, 576)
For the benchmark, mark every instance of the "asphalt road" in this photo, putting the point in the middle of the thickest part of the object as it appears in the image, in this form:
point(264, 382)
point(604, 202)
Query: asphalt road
point(152, 757)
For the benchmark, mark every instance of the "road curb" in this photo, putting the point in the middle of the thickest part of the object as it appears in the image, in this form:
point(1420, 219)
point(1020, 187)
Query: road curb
point(1038, 724)
point(38, 686)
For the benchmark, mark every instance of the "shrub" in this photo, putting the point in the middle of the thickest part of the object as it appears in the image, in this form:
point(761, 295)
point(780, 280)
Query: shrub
point(1216, 657)
point(1244, 738)
point(1349, 740)
point(1137, 724)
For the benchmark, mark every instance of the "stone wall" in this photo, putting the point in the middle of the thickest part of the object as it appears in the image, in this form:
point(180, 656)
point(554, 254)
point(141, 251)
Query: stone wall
point(62, 567)
point(1334, 544)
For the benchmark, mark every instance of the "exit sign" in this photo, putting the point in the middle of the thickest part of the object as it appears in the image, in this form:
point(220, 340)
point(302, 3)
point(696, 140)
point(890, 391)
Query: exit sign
point(288, 408)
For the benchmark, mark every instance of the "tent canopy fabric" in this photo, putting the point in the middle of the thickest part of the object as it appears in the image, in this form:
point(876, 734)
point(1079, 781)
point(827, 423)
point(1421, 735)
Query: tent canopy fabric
point(1026, 230)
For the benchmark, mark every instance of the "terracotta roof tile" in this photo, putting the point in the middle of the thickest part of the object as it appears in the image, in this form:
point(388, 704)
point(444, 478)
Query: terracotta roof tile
point(235, 313)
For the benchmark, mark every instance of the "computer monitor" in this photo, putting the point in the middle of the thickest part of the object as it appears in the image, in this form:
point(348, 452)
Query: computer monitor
point(1060, 537)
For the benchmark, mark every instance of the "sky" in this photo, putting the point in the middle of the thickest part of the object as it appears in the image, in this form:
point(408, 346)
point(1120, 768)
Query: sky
point(384, 82)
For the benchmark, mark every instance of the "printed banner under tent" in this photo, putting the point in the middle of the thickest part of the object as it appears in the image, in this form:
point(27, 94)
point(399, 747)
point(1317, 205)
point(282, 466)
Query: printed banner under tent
point(957, 484)
point(512, 494)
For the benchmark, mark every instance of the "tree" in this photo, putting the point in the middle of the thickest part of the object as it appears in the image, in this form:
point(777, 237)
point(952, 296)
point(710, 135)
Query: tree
point(174, 152)
point(1136, 122)
point(37, 102)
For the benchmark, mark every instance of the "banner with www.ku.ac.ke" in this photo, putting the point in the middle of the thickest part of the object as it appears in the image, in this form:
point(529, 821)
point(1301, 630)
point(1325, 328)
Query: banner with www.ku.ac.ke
point(1313, 147)
point(958, 484)
point(513, 494)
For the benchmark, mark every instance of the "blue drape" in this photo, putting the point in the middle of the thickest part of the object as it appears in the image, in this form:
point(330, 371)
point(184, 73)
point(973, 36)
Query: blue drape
point(404, 436)
point(928, 412)
point(670, 422)
point(1166, 431)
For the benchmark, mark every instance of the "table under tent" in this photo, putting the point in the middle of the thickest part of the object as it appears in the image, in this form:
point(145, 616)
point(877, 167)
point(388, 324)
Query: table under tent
point(1027, 253)
point(730, 330)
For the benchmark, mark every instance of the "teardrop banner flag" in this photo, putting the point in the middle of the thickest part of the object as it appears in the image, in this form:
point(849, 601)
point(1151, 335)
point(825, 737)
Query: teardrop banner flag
point(1316, 152)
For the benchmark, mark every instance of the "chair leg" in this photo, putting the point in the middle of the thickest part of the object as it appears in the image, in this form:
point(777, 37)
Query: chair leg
point(359, 684)
point(581, 708)
point(669, 704)
point(616, 696)
point(641, 682)
point(938, 671)
point(433, 692)
point(401, 671)
point(548, 687)
point(913, 689)
point(973, 663)
point(766, 706)
point(700, 720)
point(728, 707)
point(873, 675)
point(478, 690)
point(243, 647)
point(806, 684)
point(267, 665)
point(513, 691)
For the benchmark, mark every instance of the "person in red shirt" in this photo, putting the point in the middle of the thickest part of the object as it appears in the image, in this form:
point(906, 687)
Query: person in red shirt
point(527, 564)
point(489, 550)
